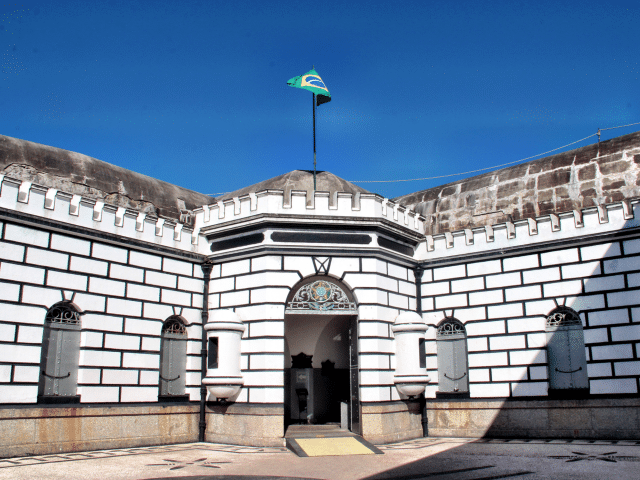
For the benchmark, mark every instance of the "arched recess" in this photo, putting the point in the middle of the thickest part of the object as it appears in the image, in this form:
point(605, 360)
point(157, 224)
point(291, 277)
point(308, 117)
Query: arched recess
point(321, 344)
point(60, 355)
point(173, 360)
point(453, 367)
point(566, 353)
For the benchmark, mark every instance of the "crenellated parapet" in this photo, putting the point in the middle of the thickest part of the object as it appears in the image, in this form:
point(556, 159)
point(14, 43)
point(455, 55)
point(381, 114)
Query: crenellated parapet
point(338, 206)
point(352, 209)
point(596, 220)
point(72, 209)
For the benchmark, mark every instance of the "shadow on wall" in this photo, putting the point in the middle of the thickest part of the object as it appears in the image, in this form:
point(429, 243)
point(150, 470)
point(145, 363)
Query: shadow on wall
point(571, 369)
point(567, 368)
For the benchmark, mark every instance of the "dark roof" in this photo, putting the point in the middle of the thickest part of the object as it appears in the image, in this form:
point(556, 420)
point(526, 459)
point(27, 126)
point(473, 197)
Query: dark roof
point(601, 173)
point(300, 180)
point(79, 174)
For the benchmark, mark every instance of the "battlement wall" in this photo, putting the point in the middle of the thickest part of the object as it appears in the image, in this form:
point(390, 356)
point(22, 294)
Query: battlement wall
point(298, 202)
point(592, 221)
point(50, 203)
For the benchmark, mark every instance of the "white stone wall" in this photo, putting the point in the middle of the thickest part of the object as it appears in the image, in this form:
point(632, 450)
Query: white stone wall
point(383, 290)
point(257, 289)
point(124, 295)
point(503, 304)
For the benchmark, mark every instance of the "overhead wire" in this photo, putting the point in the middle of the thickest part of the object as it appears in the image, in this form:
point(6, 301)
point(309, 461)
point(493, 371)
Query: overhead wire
point(480, 169)
point(495, 166)
point(620, 126)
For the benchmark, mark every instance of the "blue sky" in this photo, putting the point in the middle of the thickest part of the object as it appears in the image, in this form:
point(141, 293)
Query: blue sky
point(194, 92)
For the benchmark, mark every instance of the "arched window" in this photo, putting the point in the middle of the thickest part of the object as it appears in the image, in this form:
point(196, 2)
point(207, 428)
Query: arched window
point(59, 357)
point(453, 370)
point(173, 359)
point(565, 349)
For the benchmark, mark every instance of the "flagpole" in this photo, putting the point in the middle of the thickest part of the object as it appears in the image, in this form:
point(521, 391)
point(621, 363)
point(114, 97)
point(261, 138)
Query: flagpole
point(314, 142)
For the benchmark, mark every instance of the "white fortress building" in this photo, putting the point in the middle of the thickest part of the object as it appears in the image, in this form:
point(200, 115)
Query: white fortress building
point(135, 312)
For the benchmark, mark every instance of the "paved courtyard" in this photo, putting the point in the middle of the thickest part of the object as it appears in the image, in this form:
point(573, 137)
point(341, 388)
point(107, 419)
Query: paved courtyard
point(429, 458)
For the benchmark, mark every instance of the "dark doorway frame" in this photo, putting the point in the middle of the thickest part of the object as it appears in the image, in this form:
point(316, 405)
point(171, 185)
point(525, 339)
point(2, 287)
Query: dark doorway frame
point(354, 404)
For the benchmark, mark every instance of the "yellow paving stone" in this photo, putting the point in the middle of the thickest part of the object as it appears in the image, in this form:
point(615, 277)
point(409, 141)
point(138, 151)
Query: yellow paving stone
point(318, 447)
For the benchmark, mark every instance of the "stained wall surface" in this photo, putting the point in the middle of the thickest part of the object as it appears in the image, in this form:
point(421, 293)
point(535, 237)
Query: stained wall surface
point(75, 173)
point(601, 173)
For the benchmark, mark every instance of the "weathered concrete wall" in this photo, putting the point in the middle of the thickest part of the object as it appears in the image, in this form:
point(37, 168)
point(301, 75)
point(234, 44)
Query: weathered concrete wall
point(599, 173)
point(589, 418)
point(82, 175)
point(39, 431)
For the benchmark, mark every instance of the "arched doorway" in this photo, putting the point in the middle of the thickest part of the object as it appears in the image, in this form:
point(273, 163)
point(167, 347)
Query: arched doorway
point(321, 374)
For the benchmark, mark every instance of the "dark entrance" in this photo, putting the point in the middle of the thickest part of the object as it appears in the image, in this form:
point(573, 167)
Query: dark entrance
point(321, 374)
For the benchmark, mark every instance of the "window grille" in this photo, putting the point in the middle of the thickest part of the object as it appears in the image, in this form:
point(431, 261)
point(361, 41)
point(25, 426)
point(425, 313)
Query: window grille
point(451, 327)
point(174, 326)
point(60, 352)
point(567, 361)
point(173, 357)
point(562, 317)
point(321, 296)
point(451, 342)
point(63, 313)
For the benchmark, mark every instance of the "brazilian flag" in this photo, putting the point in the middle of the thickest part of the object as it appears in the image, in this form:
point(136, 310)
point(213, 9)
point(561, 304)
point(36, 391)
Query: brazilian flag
point(311, 81)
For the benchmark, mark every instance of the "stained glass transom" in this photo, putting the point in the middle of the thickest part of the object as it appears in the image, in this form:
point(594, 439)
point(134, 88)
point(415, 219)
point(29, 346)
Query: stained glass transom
point(563, 316)
point(321, 296)
point(63, 313)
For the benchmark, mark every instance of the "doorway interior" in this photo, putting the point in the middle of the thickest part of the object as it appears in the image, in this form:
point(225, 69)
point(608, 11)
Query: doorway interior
point(321, 372)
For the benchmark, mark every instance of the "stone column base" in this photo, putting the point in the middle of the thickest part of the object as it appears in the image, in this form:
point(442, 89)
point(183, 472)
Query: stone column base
point(391, 422)
point(245, 424)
